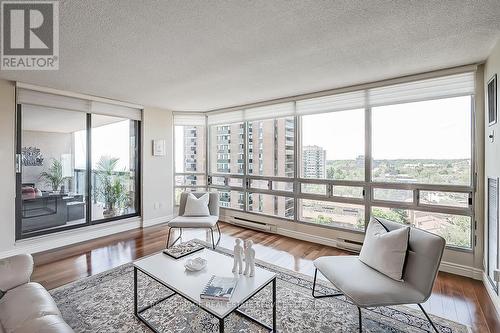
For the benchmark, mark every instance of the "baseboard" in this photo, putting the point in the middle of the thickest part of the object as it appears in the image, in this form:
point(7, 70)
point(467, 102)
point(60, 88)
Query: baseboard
point(472, 272)
point(306, 237)
point(495, 299)
point(68, 237)
point(156, 220)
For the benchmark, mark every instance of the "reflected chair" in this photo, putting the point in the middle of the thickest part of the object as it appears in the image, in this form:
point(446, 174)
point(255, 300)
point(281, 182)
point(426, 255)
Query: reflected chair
point(366, 287)
point(196, 222)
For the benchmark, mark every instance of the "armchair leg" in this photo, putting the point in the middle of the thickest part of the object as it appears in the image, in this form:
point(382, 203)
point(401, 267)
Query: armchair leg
point(213, 243)
point(314, 287)
point(220, 235)
point(168, 237)
point(360, 320)
point(428, 318)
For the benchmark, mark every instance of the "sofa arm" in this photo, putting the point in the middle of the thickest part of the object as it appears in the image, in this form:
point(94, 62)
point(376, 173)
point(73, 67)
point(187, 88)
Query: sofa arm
point(15, 271)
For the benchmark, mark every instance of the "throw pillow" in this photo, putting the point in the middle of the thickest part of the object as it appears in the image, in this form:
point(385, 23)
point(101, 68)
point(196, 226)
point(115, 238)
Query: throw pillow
point(197, 206)
point(385, 251)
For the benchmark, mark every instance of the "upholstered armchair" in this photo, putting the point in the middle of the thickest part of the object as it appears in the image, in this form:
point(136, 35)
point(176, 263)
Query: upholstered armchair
point(366, 287)
point(199, 222)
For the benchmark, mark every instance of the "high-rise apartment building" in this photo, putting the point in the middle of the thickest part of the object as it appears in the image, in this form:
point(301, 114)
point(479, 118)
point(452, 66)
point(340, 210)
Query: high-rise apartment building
point(194, 152)
point(314, 162)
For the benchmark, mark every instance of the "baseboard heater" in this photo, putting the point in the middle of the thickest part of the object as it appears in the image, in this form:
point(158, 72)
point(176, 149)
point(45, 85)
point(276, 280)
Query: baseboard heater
point(251, 224)
point(349, 245)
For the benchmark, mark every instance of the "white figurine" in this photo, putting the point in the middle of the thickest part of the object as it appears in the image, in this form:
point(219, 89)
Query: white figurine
point(249, 259)
point(238, 257)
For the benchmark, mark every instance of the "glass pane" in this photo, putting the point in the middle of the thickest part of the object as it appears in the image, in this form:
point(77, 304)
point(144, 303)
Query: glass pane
point(271, 147)
point(190, 180)
point(114, 166)
point(54, 163)
point(271, 205)
point(336, 214)
point(236, 182)
point(179, 190)
point(282, 186)
point(386, 194)
point(314, 188)
point(333, 145)
point(218, 181)
point(189, 149)
point(455, 229)
point(423, 142)
point(231, 199)
point(348, 191)
point(452, 199)
point(227, 148)
point(260, 184)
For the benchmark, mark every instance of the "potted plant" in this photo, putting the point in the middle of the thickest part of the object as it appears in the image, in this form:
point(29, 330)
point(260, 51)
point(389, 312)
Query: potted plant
point(54, 175)
point(111, 186)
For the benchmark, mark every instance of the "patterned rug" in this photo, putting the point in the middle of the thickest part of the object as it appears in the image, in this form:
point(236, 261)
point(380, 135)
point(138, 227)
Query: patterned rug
point(104, 303)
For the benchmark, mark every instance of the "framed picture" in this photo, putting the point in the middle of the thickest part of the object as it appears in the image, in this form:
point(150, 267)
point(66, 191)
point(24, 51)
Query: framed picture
point(492, 100)
point(158, 147)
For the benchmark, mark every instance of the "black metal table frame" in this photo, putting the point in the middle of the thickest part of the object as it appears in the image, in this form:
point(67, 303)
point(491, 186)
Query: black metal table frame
point(138, 312)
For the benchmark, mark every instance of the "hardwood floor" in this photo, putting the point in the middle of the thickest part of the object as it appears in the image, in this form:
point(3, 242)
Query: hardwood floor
point(454, 297)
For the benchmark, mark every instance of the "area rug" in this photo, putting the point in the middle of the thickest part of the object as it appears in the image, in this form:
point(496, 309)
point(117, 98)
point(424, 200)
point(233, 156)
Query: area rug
point(104, 303)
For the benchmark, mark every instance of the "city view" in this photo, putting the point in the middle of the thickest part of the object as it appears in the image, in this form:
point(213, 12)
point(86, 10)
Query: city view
point(332, 147)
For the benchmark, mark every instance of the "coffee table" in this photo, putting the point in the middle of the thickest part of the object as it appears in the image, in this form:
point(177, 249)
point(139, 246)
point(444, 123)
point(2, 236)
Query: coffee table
point(171, 273)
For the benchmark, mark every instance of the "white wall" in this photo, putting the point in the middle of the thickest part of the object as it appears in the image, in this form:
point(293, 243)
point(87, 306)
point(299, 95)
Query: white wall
point(492, 149)
point(7, 167)
point(157, 171)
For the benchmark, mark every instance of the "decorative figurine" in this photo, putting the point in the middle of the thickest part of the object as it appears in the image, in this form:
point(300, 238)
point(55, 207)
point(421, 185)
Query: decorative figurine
point(238, 257)
point(249, 259)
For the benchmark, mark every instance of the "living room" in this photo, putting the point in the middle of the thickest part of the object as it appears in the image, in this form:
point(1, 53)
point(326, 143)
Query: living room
point(341, 155)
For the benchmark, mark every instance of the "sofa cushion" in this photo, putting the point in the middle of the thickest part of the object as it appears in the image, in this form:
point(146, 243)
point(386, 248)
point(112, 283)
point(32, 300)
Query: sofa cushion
point(364, 285)
point(24, 303)
point(15, 271)
point(193, 222)
point(197, 206)
point(45, 324)
point(385, 250)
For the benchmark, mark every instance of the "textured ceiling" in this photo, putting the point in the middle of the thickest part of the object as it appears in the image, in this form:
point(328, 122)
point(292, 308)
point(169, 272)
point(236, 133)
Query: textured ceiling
point(201, 55)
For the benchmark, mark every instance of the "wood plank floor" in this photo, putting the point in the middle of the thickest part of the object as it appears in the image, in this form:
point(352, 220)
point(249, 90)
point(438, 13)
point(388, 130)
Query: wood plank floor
point(454, 297)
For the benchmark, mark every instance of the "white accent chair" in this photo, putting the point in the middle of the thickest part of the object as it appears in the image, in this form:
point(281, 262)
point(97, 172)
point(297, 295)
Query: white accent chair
point(196, 222)
point(26, 306)
point(366, 287)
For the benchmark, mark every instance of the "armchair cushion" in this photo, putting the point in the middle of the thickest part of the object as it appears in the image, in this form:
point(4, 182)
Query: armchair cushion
point(193, 221)
point(197, 206)
point(364, 285)
point(15, 271)
point(385, 250)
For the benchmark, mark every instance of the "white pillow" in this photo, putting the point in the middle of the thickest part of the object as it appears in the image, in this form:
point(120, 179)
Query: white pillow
point(385, 251)
point(197, 206)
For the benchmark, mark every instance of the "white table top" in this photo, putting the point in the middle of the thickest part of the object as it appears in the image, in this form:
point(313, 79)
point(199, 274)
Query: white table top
point(172, 273)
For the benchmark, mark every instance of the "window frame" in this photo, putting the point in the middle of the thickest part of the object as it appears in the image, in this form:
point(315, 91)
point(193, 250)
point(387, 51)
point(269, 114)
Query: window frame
point(367, 184)
point(88, 179)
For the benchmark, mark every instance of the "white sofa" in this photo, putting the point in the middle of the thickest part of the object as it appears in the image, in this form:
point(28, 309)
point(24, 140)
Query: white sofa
point(26, 307)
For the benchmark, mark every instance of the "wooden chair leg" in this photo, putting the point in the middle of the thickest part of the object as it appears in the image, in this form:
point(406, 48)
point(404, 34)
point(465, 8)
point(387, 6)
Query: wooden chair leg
point(360, 320)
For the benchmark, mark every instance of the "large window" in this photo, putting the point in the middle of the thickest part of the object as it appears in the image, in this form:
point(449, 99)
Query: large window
point(404, 152)
point(75, 167)
point(426, 142)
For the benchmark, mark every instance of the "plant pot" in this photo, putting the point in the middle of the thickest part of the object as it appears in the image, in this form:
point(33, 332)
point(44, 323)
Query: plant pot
point(107, 213)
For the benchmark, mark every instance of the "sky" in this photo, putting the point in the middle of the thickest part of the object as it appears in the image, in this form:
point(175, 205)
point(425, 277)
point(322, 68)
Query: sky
point(109, 140)
point(437, 129)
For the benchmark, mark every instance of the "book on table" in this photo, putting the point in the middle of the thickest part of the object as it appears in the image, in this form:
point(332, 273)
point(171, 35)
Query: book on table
point(219, 288)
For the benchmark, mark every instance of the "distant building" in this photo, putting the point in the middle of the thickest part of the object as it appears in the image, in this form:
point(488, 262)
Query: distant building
point(314, 162)
point(194, 156)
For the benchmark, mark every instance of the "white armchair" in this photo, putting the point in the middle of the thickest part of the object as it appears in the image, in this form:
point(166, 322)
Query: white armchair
point(366, 287)
point(199, 222)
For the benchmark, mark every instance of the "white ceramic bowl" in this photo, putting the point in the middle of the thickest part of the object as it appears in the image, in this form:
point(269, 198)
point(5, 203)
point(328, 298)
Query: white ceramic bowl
point(196, 264)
